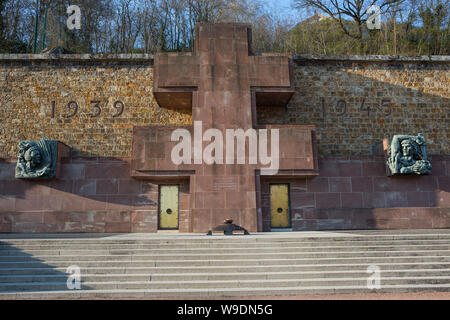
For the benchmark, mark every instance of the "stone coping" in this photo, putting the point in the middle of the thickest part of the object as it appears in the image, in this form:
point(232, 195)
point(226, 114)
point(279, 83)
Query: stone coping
point(150, 58)
point(76, 57)
point(370, 58)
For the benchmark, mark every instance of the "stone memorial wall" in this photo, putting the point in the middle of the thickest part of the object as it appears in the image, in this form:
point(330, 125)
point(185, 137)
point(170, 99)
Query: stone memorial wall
point(92, 103)
point(355, 102)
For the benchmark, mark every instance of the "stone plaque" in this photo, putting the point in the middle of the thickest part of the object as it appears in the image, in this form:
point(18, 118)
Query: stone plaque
point(225, 183)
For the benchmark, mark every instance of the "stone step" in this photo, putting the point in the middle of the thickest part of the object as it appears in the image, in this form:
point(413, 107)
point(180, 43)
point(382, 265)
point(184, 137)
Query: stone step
point(234, 256)
point(187, 266)
point(214, 245)
point(132, 285)
point(299, 275)
point(361, 273)
point(134, 251)
point(225, 269)
point(225, 262)
point(200, 237)
point(227, 292)
point(228, 240)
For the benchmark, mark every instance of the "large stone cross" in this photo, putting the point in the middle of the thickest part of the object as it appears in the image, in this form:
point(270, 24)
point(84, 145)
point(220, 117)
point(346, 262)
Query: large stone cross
point(223, 84)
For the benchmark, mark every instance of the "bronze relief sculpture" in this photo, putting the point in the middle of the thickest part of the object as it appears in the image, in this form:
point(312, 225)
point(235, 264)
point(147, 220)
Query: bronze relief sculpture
point(408, 155)
point(37, 159)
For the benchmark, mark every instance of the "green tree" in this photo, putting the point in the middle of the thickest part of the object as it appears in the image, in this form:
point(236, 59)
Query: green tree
point(434, 35)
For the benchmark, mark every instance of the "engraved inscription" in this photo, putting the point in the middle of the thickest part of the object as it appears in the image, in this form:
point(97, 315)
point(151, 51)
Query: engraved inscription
point(225, 184)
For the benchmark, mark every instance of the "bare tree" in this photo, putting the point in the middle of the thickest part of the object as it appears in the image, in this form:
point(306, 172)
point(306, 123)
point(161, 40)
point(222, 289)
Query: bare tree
point(408, 27)
point(128, 25)
point(18, 20)
point(206, 10)
point(341, 10)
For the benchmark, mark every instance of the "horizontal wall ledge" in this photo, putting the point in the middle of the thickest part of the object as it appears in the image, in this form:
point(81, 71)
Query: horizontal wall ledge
point(150, 57)
point(370, 58)
point(77, 57)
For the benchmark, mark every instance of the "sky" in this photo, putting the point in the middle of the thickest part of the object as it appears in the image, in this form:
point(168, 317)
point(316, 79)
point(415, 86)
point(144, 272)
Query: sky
point(284, 8)
point(281, 3)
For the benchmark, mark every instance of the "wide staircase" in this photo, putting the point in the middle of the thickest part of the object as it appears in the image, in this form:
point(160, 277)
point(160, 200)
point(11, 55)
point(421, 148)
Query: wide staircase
point(191, 266)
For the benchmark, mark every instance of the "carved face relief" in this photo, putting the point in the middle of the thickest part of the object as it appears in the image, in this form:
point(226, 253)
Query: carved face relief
point(406, 150)
point(33, 157)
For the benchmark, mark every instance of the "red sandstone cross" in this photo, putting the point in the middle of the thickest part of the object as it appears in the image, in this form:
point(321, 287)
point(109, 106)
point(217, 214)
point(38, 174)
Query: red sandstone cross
point(223, 84)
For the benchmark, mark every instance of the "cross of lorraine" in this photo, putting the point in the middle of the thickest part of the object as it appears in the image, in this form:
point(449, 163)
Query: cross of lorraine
point(222, 83)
